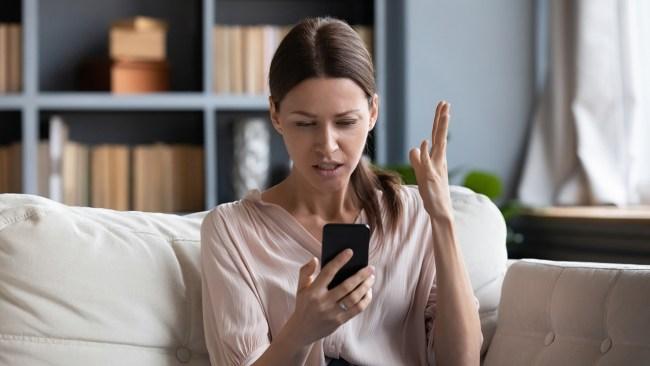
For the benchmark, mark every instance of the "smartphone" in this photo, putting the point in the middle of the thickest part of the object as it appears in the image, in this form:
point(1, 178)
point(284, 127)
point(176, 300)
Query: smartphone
point(337, 238)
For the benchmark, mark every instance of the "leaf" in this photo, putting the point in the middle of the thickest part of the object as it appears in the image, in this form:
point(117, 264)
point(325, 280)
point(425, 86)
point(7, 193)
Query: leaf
point(405, 171)
point(484, 183)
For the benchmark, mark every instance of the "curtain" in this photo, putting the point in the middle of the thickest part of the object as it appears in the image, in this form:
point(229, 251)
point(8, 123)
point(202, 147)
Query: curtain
point(590, 135)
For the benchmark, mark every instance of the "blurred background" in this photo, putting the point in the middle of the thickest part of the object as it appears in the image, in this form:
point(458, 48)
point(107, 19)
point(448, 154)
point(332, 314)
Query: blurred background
point(162, 106)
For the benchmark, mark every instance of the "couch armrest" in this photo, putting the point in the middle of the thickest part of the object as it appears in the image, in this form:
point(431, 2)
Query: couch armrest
point(572, 313)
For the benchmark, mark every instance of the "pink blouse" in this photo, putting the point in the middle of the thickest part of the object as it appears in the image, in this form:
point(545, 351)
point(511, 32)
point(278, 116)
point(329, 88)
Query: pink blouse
point(251, 252)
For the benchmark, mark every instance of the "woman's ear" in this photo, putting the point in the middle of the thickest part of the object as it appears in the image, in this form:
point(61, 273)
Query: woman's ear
point(273, 112)
point(374, 111)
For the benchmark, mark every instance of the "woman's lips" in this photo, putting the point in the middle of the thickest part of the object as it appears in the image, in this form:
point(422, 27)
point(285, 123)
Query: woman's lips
point(328, 170)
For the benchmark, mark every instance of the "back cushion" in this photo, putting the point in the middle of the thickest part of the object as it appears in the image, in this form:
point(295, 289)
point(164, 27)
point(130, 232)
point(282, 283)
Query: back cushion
point(83, 286)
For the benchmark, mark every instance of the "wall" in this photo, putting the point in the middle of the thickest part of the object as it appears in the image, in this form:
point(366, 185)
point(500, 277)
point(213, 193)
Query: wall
point(478, 55)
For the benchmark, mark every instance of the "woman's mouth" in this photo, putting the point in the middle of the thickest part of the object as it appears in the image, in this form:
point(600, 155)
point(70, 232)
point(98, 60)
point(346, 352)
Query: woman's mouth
point(328, 169)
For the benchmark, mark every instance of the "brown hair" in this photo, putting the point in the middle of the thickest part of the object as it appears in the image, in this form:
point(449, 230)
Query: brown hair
point(328, 47)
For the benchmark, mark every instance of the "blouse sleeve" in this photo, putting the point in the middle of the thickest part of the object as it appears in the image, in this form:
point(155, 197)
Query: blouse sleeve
point(236, 329)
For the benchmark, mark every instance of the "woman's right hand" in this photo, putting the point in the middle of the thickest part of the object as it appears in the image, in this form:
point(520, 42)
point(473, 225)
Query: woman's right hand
point(318, 312)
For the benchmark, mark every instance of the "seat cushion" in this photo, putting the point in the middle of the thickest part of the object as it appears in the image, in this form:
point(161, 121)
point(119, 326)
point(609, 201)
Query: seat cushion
point(85, 286)
point(573, 313)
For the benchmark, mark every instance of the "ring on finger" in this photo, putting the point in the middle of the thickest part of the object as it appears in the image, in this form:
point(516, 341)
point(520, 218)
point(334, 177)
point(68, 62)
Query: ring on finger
point(342, 306)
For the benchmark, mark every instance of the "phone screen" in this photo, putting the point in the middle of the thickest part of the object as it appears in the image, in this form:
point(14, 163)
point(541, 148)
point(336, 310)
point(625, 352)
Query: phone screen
point(337, 238)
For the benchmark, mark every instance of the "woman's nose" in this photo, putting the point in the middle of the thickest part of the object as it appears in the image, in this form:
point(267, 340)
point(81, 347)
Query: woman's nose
point(327, 140)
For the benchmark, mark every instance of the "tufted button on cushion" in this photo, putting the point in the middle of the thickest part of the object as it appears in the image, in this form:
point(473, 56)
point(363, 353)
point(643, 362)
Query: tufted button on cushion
point(606, 345)
point(183, 354)
point(550, 337)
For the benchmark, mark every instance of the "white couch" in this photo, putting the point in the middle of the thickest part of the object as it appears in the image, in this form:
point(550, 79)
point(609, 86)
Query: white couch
point(85, 286)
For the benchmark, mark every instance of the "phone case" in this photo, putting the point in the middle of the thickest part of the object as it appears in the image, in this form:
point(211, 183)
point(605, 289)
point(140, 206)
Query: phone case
point(337, 238)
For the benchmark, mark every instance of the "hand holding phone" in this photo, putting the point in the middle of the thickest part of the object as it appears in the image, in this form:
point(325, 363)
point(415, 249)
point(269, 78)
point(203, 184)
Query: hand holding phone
point(337, 238)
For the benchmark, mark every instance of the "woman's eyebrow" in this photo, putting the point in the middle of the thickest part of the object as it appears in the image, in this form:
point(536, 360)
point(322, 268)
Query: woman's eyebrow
point(346, 112)
point(304, 113)
point(336, 115)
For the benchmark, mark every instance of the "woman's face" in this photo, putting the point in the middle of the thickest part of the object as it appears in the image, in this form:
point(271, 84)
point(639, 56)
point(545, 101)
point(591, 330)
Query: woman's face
point(324, 123)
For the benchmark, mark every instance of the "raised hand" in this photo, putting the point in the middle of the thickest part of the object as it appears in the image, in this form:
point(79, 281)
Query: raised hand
point(431, 166)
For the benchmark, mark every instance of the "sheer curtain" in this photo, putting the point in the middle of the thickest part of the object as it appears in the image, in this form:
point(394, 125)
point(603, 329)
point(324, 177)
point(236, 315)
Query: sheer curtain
point(590, 138)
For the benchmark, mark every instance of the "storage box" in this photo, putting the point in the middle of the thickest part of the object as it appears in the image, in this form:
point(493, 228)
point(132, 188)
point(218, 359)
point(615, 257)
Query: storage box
point(139, 76)
point(138, 39)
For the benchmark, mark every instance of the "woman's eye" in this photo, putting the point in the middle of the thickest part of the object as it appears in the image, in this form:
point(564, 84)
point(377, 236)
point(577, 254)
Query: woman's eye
point(347, 122)
point(304, 124)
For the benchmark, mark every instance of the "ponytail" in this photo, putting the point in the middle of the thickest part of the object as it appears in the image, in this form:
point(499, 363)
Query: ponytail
point(365, 183)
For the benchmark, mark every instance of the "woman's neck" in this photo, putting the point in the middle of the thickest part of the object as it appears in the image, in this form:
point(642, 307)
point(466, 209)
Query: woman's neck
point(303, 200)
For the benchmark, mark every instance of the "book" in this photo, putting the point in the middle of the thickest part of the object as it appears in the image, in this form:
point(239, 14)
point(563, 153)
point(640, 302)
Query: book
point(11, 168)
point(235, 51)
point(146, 179)
point(75, 174)
point(14, 69)
point(253, 59)
point(110, 176)
point(221, 69)
point(168, 178)
point(4, 58)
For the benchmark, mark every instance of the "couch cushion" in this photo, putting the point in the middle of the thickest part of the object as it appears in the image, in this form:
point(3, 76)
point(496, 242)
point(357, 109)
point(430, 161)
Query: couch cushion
point(571, 313)
point(83, 286)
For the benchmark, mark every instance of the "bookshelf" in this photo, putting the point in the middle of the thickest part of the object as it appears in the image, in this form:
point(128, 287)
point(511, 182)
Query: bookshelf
point(59, 35)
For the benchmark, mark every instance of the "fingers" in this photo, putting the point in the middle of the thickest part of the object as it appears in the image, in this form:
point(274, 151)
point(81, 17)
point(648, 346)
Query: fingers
point(307, 273)
point(434, 128)
point(424, 152)
point(350, 284)
point(329, 271)
point(357, 308)
point(360, 290)
point(441, 128)
point(414, 157)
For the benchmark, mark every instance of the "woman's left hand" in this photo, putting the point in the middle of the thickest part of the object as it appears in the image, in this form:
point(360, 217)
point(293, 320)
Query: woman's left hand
point(431, 166)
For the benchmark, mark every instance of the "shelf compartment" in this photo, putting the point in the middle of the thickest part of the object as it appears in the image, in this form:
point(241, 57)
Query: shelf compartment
point(155, 157)
point(64, 45)
point(10, 152)
point(278, 166)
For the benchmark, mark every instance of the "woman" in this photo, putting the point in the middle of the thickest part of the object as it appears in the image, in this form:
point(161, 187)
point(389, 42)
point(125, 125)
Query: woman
point(265, 297)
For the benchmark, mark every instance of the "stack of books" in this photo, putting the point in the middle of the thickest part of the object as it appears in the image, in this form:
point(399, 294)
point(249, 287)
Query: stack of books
point(11, 56)
point(157, 177)
point(243, 54)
